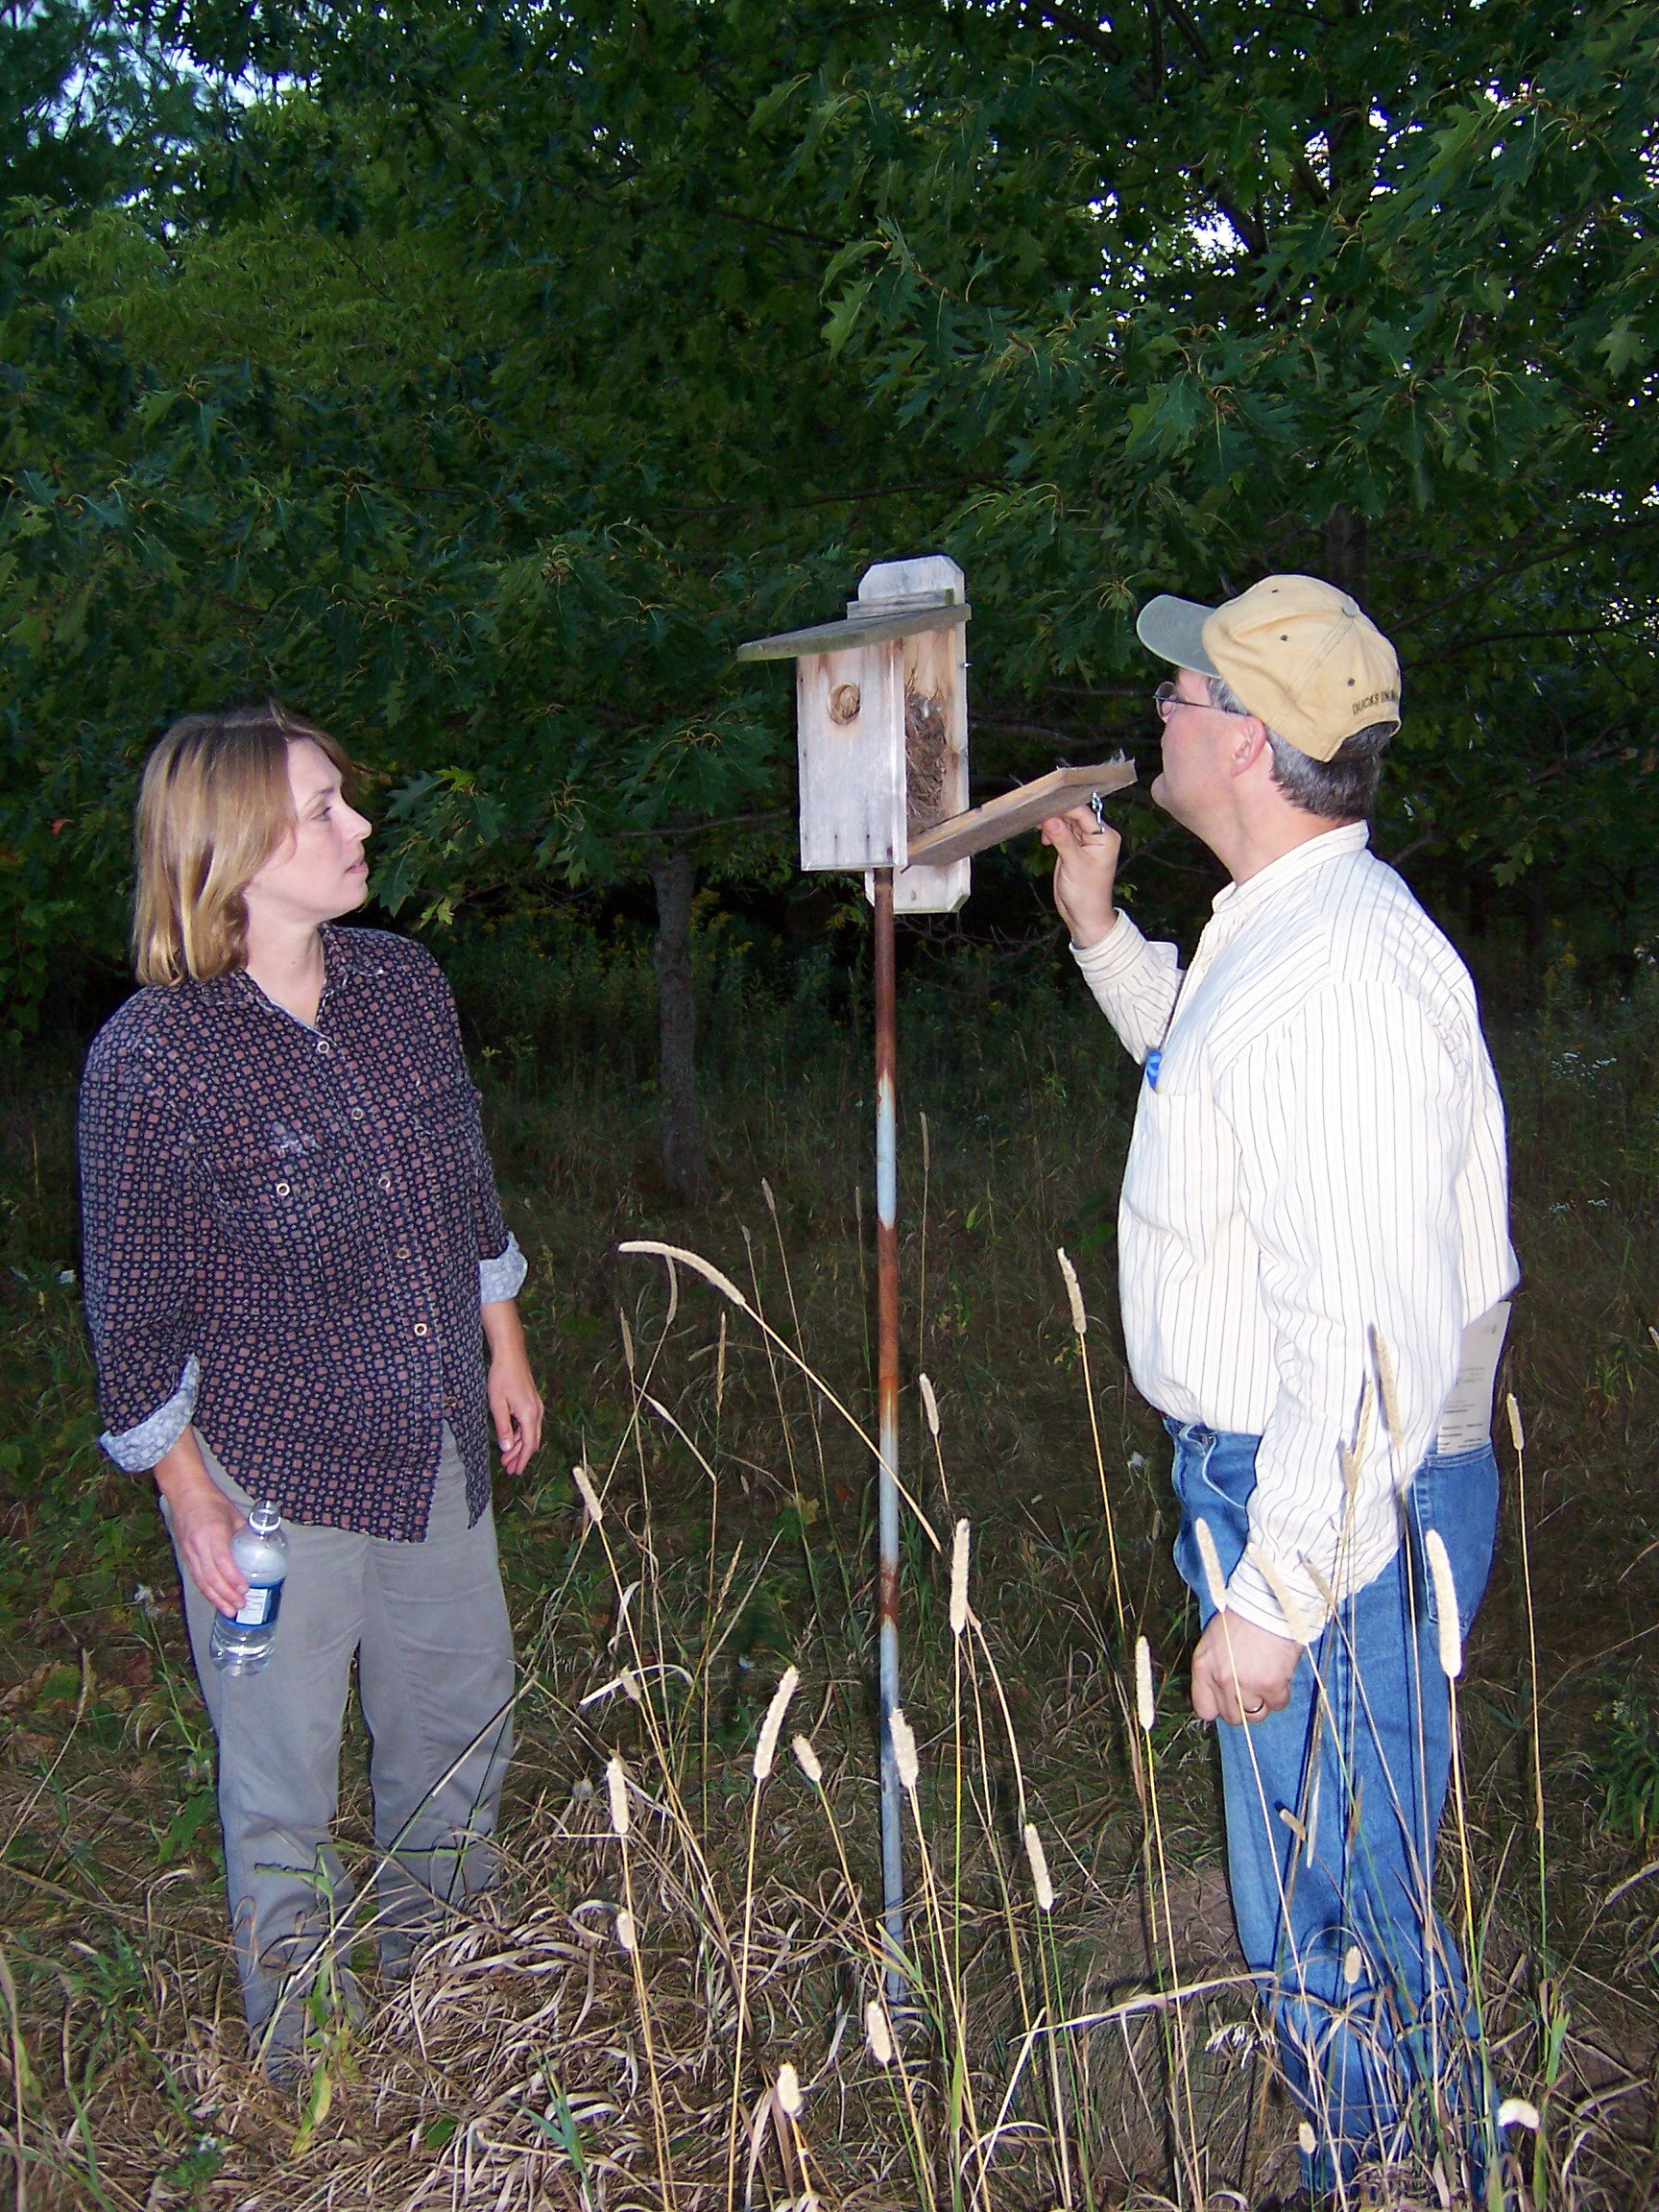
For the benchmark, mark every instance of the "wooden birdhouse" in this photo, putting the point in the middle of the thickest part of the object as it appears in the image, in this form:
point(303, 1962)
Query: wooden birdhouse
point(881, 734)
point(881, 727)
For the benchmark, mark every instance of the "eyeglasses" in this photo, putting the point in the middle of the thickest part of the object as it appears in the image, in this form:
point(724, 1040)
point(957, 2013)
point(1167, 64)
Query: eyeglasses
point(1166, 698)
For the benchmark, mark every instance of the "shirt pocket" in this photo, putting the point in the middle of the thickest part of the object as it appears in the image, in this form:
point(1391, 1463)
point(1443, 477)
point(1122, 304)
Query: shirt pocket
point(449, 1132)
point(297, 1223)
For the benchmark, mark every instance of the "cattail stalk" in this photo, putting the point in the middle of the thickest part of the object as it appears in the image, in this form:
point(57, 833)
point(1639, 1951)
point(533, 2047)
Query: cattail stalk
point(1450, 1648)
point(766, 1749)
point(628, 1941)
point(874, 2014)
point(959, 1578)
point(1080, 1330)
point(1152, 1848)
point(1518, 1437)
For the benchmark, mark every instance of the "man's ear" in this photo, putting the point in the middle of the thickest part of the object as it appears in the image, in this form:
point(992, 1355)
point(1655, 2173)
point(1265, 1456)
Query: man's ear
point(1249, 744)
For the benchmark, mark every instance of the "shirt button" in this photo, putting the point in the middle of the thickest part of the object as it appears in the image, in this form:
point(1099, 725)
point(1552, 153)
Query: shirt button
point(282, 1189)
point(419, 1327)
point(385, 1182)
point(402, 1251)
point(356, 1112)
point(324, 1046)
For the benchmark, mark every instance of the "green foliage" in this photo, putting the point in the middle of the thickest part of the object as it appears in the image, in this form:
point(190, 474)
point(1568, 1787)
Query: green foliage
point(478, 377)
point(1626, 1767)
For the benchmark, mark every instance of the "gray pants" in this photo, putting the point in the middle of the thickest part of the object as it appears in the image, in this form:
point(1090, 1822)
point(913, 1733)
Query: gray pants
point(428, 1625)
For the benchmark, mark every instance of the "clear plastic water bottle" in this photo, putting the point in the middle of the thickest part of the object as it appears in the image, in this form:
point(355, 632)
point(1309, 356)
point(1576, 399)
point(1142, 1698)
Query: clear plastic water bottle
point(241, 1642)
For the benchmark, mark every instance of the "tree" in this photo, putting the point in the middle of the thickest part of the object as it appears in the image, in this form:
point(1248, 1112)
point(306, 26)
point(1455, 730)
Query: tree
point(1228, 286)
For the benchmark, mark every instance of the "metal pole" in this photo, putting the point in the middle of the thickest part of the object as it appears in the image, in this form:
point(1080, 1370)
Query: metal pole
point(887, 1408)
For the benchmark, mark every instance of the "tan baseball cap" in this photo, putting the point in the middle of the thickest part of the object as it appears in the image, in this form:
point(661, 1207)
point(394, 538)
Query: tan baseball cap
point(1299, 652)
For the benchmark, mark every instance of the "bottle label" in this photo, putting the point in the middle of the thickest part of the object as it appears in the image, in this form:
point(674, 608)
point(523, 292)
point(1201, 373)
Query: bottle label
point(258, 1609)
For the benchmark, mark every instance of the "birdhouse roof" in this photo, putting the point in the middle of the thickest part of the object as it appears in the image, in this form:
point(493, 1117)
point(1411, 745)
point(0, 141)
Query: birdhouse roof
point(868, 622)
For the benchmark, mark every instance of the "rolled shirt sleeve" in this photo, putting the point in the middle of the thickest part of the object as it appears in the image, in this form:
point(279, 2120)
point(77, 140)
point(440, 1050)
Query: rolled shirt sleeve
point(136, 1207)
point(1133, 982)
point(1348, 1120)
point(502, 1276)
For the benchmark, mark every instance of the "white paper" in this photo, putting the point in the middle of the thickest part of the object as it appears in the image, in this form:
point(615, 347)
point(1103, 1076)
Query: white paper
point(1466, 1418)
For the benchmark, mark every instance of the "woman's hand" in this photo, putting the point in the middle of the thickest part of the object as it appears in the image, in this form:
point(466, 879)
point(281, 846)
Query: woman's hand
point(1085, 854)
point(204, 1522)
point(515, 1401)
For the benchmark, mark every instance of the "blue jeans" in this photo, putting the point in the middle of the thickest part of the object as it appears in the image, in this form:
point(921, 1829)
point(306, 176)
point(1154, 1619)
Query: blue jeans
point(1373, 2015)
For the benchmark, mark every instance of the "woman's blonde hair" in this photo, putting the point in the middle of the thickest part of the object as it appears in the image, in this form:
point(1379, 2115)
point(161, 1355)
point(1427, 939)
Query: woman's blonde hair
point(215, 805)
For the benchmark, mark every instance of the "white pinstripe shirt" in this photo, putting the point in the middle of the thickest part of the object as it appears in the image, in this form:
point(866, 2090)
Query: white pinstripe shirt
point(1322, 1155)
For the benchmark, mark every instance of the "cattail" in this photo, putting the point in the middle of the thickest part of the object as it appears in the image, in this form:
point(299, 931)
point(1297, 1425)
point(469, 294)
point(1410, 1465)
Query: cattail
point(766, 1193)
point(583, 1482)
point(720, 1370)
point(1350, 1462)
point(807, 1759)
point(649, 1247)
point(625, 1934)
point(1318, 1577)
point(766, 1745)
point(959, 1579)
point(1039, 1881)
point(789, 2091)
point(1362, 1432)
point(627, 1339)
point(929, 1405)
point(880, 2035)
point(904, 1748)
point(1307, 2141)
point(1073, 1292)
point(1385, 1384)
point(1212, 1559)
point(1516, 1434)
point(1145, 1710)
point(1445, 1607)
point(616, 1782)
point(1284, 1596)
point(1517, 2112)
point(1352, 1965)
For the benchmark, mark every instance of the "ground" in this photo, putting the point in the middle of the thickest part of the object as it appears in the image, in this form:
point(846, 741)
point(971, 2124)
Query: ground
point(531, 2058)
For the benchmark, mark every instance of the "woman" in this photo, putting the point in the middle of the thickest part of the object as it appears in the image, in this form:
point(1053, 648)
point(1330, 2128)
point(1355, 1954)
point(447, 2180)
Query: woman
point(294, 1251)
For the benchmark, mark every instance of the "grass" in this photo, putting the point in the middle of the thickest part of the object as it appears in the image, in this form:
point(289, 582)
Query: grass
point(574, 2043)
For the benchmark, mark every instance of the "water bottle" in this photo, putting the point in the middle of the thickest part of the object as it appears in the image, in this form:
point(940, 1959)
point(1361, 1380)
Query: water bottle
point(241, 1641)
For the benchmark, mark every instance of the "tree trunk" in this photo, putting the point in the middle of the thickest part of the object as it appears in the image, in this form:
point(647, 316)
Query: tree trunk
point(677, 1029)
point(1346, 545)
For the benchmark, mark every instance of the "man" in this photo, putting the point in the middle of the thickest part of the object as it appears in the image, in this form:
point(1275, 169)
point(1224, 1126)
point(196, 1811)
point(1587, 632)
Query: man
point(1314, 1257)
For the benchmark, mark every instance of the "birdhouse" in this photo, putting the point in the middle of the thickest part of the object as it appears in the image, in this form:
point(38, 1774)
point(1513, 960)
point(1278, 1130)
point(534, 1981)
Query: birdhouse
point(881, 731)
point(881, 727)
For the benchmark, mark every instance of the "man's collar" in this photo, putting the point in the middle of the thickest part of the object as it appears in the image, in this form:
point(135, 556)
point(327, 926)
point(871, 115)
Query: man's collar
point(1330, 845)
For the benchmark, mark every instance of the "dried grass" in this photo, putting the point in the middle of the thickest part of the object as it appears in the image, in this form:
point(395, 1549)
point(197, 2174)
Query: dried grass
point(1099, 2052)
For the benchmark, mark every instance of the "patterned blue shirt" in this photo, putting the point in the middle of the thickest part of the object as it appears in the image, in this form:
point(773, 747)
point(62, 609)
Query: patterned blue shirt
point(288, 1231)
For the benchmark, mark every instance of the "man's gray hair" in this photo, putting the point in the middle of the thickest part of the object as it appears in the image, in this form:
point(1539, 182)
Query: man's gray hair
point(1340, 789)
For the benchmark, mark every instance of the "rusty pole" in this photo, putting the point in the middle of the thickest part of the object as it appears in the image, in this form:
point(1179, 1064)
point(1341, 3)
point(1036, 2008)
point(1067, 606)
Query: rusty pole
point(887, 1408)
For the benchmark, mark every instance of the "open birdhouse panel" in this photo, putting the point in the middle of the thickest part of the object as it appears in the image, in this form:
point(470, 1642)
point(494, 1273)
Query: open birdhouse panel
point(936, 670)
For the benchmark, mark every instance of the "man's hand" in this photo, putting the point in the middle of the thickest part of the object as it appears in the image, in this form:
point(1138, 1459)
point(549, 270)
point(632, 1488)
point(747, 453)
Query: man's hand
point(1241, 1672)
point(1085, 872)
point(515, 1401)
point(203, 1521)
